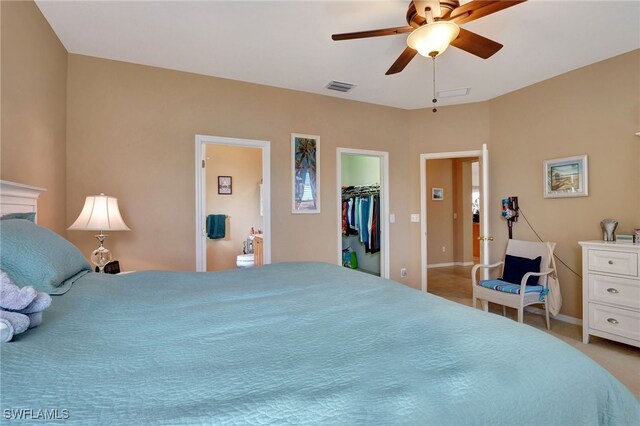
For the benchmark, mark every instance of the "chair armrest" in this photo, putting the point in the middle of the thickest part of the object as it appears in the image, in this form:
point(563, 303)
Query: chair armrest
point(475, 268)
point(535, 274)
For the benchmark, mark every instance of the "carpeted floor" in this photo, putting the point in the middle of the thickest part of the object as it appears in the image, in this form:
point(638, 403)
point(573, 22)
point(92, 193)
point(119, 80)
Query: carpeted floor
point(623, 361)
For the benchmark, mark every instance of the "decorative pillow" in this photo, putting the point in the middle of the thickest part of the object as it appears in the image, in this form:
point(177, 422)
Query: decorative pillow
point(33, 255)
point(28, 216)
point(516, 267)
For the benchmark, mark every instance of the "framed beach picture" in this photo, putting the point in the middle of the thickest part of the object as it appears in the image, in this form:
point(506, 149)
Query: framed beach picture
point(566, 177)
point(305, 174)
point(224, 185)
point(437, 194)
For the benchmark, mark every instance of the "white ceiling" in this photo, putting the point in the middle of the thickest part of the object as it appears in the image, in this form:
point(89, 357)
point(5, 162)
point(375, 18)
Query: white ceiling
point(288, 44)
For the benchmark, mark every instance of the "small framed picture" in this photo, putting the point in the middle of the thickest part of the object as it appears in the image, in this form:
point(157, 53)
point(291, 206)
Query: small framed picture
point(437, 194)
point(224, 185)
point(566, 177)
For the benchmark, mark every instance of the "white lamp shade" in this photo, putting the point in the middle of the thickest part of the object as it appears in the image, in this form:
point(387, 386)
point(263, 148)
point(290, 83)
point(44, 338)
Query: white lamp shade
point(434, 38)
point(100, 213)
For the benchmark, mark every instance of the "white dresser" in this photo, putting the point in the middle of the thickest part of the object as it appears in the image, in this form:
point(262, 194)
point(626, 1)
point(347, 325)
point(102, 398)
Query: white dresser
point(611, 291)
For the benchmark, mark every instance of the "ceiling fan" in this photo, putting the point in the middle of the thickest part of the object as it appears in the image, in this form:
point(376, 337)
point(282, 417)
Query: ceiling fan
point(434, 25)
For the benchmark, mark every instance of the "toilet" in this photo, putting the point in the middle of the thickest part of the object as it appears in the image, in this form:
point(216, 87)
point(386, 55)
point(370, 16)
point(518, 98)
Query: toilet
point(244, 261)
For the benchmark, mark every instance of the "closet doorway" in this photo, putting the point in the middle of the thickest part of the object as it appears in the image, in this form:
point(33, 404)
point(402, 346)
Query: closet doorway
point(232, 175)
point(363, 210)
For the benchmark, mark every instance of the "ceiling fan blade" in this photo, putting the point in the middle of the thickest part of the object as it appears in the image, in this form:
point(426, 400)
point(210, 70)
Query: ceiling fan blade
point(478, 8)
point(372, 33)
point(403, 60)
point(476, 44)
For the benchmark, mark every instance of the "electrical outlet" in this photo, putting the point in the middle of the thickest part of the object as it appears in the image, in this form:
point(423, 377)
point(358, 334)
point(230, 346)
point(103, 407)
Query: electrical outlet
point(403, 272)
point(444, 249)
point(415, 217)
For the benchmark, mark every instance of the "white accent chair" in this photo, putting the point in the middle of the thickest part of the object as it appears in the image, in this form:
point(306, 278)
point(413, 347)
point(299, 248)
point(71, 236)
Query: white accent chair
point(511, 295)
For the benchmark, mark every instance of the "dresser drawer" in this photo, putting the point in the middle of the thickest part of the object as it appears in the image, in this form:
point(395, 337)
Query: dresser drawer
point(614, 262)
point(621, 322)
point(615, 290)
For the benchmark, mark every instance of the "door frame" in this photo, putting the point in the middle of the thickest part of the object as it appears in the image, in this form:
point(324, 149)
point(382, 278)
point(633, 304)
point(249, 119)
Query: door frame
point(200, 224)
point(384, 205)
point(483, 156)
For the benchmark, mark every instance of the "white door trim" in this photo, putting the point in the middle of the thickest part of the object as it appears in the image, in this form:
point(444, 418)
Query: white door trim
point(200, 228)
point(484, 193)
point(384, 196)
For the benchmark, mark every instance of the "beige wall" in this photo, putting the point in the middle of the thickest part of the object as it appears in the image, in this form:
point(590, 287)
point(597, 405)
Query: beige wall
point(242, 206)
point(147, 118)
point(33, 117)
point(440, 212)
point(595, 111)
point(130, 133)
point(463, 218)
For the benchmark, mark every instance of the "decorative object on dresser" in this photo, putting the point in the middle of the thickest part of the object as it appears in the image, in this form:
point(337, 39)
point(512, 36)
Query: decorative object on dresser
point(100, 213)
point(609, 229)
point(611, 291)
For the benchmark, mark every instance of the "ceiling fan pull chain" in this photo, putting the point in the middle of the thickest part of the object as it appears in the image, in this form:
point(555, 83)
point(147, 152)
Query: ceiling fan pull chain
point(434, 100)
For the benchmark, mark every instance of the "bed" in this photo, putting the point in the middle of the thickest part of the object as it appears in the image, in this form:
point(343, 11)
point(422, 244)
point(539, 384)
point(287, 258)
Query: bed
point(291, 343)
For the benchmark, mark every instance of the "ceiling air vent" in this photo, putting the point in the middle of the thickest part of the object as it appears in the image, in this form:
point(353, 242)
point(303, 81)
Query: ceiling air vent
point(453, 93)
point(340, 87)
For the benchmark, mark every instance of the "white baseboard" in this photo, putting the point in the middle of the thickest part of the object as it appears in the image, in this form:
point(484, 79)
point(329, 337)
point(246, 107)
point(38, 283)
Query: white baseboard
point(440, 265)
point(559, 317)
point(444, 265)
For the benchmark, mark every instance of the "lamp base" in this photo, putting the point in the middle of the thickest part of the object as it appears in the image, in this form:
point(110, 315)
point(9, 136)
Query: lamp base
point(101, 256)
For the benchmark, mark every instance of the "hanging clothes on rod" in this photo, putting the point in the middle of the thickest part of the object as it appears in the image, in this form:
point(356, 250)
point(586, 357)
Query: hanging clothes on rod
point(361, 214)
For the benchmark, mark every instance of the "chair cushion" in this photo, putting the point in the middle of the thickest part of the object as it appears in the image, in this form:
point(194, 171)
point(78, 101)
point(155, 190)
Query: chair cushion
point(516, 267)
point(505, 287)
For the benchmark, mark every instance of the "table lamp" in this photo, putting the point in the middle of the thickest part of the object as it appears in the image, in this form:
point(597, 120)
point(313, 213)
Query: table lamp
point(100, 213)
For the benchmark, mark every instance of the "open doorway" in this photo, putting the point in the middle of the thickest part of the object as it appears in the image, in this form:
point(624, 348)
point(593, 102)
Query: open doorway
point(363, 225)
point(233, 207)
point(452, 209)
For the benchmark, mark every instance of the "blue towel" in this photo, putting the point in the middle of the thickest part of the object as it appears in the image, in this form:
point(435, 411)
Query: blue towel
point(216, 226)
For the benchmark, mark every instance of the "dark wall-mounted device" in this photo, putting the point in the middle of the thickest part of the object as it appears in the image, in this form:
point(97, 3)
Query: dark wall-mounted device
point(510, 211)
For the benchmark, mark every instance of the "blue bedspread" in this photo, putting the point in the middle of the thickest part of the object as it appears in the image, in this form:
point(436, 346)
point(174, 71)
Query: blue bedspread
point(303, 343)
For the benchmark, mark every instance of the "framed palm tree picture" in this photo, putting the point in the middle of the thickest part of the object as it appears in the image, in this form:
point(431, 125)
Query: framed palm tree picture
point(305, 174)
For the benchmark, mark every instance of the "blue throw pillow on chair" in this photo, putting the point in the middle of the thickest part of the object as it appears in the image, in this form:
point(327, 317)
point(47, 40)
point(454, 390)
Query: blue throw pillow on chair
point(516, 267)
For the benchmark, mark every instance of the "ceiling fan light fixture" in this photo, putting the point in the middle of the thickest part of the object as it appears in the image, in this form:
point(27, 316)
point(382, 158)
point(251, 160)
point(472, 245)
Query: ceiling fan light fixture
point(434, 38)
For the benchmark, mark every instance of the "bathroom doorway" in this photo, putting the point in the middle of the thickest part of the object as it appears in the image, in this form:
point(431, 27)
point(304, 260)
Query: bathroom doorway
point(363, 206)
point(232, 203)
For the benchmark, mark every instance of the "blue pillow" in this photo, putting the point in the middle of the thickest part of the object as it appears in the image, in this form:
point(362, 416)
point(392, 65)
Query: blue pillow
point(33, 255)
point(516, 267)
point(28, 216)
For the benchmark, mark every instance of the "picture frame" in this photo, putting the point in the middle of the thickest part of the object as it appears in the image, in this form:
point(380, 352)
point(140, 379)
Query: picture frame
point(437, 194)
point(305, 174)
point(225, 186)
point(566, 177)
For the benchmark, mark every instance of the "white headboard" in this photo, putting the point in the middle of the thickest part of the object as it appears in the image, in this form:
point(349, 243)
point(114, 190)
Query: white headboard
point(18, 198)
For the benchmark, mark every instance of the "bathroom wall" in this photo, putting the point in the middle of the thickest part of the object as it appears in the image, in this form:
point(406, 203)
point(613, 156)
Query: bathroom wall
point(242, 206)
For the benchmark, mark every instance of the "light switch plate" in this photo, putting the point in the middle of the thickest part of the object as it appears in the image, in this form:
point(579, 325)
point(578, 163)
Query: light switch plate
point(392, 218)
point(415, 217)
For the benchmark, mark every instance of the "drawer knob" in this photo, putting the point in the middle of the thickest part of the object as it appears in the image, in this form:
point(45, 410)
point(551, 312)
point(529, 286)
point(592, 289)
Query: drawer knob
point(612, 320)
point(611, 262)
point(612, 290)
